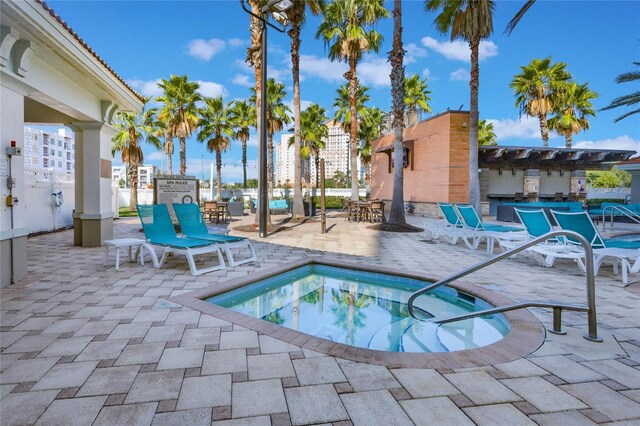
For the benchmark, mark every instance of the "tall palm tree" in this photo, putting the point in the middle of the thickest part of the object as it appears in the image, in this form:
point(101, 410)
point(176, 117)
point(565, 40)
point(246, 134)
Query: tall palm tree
point(470, 20)
point(416, 95)
point(342, 104)
point(216, 129)
point(244, 117)
point(179, 110)
point(398, 99)
point(277, 118)
point(164, 130)
point(314, 132)
point(574, 106)
point(131, 130)
point(486, 133)
point(536, 89)
point(630, 99)
point(347, 31)
point(518, 16)
point(297, 16)
point(371, 127)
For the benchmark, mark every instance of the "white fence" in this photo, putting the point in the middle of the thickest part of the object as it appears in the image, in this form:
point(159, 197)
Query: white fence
point(46, 211)
point(619, 193)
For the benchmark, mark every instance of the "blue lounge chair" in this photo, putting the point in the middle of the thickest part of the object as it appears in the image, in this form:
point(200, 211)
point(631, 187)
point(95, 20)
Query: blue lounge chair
point(471, 221)
point(193, 226)
point(451, 227)
point(537, 224)
point(603, 249)
point(159, 231)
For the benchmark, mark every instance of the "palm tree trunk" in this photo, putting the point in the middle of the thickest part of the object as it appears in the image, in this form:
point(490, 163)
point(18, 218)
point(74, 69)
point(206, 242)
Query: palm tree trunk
point(396, 216)
point(244, 165)
point(183, 156)
point(170, 164)
point(544, 129)
point(353, 134)
point(568, 140)
point(219, 174)
point(298, 207)
point(316, 160)
point(474, 85)
point(133, 186)
point(307, 177)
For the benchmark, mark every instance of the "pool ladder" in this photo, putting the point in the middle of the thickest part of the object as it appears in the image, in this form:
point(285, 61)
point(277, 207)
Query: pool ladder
point(589, 308)
point(624, 211)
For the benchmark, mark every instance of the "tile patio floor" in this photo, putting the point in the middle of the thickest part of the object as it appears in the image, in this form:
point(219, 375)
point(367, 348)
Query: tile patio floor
point(83, 344)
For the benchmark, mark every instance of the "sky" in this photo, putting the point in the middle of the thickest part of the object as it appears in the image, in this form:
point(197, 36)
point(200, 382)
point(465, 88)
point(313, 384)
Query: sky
point(144, 41)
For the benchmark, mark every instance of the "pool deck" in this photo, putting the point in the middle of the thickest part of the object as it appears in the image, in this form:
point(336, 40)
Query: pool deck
point(85, 344)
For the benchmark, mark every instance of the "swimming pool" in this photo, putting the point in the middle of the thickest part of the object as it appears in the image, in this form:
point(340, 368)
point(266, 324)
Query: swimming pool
point(365, 309)
point(635, 237)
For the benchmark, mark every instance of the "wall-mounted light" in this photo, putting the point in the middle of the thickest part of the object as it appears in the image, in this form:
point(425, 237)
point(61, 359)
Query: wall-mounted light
point(464, 124)
point(513, 172)
point(500, 172)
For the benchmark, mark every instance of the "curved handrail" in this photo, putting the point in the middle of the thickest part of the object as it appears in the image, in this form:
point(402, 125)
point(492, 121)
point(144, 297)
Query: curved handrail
point(589, 261)
point(622, 209)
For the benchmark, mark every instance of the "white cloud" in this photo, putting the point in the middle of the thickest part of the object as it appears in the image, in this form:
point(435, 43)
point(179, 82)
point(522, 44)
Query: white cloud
point(154, 156)
point(243, 80)
point(524, 128)
point(243, 65)
point(323, 68)
point(231, 168)
point(413, 51)
point(205, 49)
point(236, 42)
point(426, 73)
point(620, 142)
point(461, 74)
point(303, 105)
point(146, 87)
point(375, 71)
point(459, 50)
point(211, 89)
point(279, 74)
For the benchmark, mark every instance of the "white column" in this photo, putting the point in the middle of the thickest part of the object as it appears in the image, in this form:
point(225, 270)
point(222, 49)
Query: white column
point(93, 219)
point(13, 220)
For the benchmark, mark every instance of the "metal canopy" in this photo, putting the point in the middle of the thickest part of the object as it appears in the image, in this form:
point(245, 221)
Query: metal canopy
point(525, 157)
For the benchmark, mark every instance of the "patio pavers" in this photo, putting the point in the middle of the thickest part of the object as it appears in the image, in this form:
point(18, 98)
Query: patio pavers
point(81, 337)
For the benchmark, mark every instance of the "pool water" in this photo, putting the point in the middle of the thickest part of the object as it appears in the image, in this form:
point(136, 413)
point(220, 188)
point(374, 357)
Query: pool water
point(365, 309)
point(635, 237)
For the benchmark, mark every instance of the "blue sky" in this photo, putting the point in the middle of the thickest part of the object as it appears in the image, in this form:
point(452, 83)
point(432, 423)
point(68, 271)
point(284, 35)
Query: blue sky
point(144, 41)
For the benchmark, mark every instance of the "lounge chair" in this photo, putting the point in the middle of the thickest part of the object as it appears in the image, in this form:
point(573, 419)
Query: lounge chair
point(159, 231)
point(603, 249)
point(537, 224)
point(193, 226)
point(452, 227)
point(472, 222)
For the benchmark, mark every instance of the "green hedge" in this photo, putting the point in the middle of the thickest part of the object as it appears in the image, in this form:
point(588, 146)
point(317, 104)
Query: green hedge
point(332, 202)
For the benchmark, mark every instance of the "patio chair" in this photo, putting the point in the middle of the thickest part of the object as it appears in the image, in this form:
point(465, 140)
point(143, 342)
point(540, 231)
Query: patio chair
point(159, 231)
point(193, 226)
point(211, 211)
point(537, 224)
point(518, 196)
point(452, 227)
point(376, 211)
point(572, 196)
point(471, 221)
point(558, 196)
point(624, 252)
point(532, 197)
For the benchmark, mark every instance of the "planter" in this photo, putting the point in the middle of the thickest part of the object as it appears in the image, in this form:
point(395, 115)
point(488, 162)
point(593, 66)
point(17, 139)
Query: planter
point(306, 208)
point(236, 208)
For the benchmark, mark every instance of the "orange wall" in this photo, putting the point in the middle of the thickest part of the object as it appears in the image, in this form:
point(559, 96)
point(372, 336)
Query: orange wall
point(440, 161)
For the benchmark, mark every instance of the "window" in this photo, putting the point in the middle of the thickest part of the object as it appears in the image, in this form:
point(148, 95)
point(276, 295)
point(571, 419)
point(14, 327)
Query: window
point(45, 162)
point(59, 153)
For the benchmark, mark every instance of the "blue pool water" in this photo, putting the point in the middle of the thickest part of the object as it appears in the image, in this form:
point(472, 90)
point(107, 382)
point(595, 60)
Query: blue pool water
point(365, 309)
point(635, 237)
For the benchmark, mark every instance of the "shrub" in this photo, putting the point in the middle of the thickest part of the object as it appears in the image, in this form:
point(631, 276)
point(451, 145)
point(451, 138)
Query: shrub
point(332, 202)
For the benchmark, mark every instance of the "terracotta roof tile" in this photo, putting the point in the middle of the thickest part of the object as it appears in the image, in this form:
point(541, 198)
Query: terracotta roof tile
point(86, 46)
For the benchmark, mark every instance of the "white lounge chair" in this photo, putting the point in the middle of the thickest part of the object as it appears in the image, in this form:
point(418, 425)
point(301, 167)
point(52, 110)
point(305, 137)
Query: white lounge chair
point(491, 233)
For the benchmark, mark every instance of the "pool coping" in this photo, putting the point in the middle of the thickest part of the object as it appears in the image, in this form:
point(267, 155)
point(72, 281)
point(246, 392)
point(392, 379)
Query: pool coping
point(527, 334)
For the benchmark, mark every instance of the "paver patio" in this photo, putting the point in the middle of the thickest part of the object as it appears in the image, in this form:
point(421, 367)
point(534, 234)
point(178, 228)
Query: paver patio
point(84, 344)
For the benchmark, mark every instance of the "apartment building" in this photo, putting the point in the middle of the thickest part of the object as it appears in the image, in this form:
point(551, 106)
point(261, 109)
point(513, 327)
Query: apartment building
point(48, 150)
point(145, 175)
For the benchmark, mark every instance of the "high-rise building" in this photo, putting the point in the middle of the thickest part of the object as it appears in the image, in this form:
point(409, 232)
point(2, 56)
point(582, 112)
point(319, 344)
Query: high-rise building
point(46, 150)
point(335, 153)
point(146, 174)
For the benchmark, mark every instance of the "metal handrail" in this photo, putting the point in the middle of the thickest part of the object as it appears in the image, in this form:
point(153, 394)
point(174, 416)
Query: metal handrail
point(590, 308)
point(624, 210)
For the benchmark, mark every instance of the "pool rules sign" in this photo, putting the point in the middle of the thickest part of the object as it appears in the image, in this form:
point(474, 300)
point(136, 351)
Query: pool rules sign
point(175, 189)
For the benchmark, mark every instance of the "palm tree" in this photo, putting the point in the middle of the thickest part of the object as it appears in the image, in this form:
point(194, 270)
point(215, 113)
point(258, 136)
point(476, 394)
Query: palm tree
point(131, 129)
point(398, 96)
point(371, 127)
point(416, 95)
point(536, 88)
point(630, 99)
point(179, 110)
point(167, 148)
point(342, 104)
point(486, 133)
point(244, 117)
point(216, 129)
point(574, 106)
point(347, 30)
point(314, 132)
point(471, 20)
point(277, 118)
point(297, 15)
point(518, 16)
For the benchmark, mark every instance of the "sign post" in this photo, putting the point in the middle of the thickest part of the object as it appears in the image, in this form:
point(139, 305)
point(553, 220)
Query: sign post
point(169, 189)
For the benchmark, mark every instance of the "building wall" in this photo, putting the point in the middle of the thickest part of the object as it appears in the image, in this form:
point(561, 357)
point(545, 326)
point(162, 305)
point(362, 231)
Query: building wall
point(146, 173)
point(505, 183)
point(550, 184)
point(51, 151)
point(440, 161)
